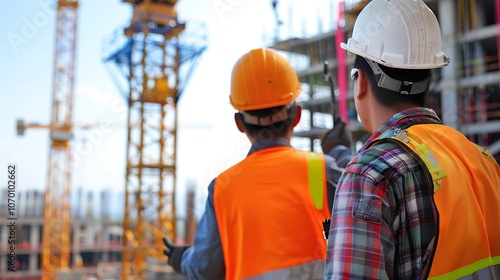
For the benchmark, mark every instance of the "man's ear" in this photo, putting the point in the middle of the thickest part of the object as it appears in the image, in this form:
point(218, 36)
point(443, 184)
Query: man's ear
point(238, 121)
point(298, 114)
point(363, 85)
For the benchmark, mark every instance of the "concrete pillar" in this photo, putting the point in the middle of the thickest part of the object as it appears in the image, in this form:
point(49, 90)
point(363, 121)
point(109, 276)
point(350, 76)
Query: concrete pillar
point(37, 204)
point(105, 256)
point(104, 239)
point(449, 95)
point(34, 236)
point(76, 238)
point(104, 205)
point(79, 198)
point(21, 200)
point(33, 263)
point(30, 211)
point(90, 205)
point(30, 195)
point(89, 233)
point(34, 239)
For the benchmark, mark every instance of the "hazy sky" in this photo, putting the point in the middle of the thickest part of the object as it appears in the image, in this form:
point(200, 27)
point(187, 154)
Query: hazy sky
point(208, 141)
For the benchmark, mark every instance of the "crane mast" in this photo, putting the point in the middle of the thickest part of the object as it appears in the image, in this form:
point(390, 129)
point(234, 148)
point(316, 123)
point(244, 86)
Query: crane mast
point(150, 171)
point(152, 59)
point(56, 242)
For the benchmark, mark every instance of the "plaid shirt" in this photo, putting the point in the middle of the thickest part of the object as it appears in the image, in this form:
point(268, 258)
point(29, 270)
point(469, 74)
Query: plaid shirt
point(383, 214)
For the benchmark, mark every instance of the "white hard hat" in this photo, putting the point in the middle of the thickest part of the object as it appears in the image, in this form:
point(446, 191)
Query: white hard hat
point(401, 34)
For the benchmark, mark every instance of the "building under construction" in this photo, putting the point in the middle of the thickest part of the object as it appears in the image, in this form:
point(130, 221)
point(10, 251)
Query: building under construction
point(95, 239)
point(147, 58)
point(96, 234)
point(465, 94)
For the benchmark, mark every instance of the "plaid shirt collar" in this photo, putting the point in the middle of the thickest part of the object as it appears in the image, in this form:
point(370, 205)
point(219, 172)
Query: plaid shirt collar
point(401, 120)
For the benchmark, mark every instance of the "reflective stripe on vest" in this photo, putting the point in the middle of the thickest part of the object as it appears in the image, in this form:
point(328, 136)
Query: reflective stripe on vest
point(317, 180)
point(312, 270)
point(467, 196)
point(269, 209)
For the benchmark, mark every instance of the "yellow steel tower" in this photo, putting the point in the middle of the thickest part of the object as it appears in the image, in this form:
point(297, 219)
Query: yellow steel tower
point(57, 224)
point(154, 60)
point(150, 170)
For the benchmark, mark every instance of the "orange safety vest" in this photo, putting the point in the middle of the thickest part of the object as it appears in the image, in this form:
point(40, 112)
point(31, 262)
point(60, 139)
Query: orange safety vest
point(269, 209)
point(466, 182)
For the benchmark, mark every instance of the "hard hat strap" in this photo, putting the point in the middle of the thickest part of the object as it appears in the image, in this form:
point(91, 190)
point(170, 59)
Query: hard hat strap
point(278, 115)
point(402, 87)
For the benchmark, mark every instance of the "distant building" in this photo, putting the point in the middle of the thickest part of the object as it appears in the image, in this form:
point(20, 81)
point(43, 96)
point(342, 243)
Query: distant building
point(96, 236)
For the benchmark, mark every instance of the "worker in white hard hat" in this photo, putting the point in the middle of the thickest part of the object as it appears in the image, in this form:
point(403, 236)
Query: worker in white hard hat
point(418, 200)
point(263, 216)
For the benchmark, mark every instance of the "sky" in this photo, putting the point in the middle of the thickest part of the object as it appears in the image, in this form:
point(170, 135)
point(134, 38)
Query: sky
point(208, 141)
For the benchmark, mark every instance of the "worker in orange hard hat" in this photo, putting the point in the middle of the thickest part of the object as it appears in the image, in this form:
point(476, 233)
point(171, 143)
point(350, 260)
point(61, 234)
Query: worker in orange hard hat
point(263, 215)
point(418, 200)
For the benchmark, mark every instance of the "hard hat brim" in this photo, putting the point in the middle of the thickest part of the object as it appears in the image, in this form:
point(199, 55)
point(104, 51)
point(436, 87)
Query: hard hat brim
point(348, 47)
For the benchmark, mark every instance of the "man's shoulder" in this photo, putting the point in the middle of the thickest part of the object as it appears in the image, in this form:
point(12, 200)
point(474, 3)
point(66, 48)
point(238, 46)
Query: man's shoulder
point(384, 159)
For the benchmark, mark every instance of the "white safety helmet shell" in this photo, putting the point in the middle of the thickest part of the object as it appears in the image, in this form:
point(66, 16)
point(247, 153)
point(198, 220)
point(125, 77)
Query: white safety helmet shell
point(401, 34)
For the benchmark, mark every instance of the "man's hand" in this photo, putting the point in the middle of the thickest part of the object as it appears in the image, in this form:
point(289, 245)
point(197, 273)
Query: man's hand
point(174, 254)
point(170, 247)
point(338, 135)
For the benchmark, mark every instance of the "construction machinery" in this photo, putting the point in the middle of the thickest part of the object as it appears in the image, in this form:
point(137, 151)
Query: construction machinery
point(151, 59)
point(57, 221)
point(56, 243)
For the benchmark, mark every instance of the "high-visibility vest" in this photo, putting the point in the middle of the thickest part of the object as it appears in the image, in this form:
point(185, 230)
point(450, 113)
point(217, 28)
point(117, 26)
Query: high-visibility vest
point(466, 182)
point(269, 209)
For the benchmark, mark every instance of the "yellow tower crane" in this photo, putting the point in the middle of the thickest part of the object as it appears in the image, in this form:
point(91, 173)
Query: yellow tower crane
point(150, 171)
point(56, 242)
point(154, 58)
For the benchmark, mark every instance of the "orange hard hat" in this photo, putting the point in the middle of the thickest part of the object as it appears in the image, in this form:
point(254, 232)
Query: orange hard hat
point(262, 78)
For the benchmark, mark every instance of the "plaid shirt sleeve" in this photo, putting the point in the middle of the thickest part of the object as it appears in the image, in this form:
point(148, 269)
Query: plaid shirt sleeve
point(356, 231)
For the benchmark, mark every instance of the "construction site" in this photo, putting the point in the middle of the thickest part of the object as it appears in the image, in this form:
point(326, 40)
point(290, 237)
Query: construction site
point(66, 232)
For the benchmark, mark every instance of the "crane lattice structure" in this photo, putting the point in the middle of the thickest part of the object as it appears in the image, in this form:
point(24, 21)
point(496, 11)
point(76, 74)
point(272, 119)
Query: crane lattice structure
point(56, 243)
point(56, 236)
point(154, 60)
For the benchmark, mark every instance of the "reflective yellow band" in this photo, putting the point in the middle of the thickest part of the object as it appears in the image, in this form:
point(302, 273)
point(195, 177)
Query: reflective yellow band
point(436, 171)
point(316, 180)
point(486, 152)
point(470, 269)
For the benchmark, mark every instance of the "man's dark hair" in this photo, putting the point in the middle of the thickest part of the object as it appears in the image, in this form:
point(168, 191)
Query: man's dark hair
point(388, 97)
point(278, 129)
